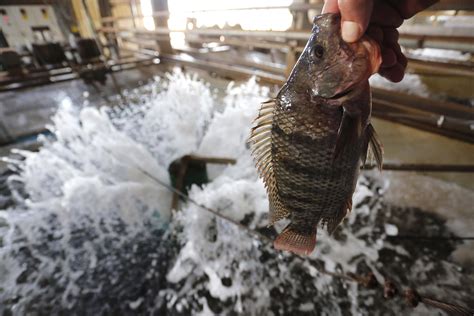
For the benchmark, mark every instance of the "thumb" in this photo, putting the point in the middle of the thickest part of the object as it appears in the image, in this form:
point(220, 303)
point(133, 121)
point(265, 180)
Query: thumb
point(355, 16)
point(330, 6)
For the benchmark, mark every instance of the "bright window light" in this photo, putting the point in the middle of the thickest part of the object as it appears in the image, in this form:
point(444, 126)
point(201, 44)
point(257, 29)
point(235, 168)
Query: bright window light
point(147, 10)
point(272, 19)
point(181, 11)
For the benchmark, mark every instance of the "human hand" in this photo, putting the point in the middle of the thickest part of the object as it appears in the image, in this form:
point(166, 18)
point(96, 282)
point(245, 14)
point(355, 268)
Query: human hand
point(379, 19)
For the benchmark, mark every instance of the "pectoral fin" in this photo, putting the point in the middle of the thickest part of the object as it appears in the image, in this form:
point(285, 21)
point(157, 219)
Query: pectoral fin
point(376, 147)
point(348, 134)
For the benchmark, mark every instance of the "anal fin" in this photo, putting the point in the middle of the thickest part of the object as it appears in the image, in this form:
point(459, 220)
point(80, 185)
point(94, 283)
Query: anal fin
point(292, 240)
point(335, 221)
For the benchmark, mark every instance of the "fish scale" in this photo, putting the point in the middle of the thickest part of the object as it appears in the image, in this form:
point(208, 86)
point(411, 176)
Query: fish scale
point(325, 181)
point(308, 143)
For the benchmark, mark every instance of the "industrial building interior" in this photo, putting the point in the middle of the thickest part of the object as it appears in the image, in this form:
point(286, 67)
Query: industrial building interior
point(127, 185)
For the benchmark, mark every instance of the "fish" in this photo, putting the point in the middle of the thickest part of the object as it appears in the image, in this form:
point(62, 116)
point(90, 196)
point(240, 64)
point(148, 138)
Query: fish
point(310, 141)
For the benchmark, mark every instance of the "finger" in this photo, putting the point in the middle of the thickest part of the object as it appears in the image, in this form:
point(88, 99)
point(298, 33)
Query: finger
point(389, 58)
point(401, 59)
point(376, 33)
point(394, 74)
point(385, 15)
point(330, 6)
point(355, 16)
point(390, 35)
point(408, 8)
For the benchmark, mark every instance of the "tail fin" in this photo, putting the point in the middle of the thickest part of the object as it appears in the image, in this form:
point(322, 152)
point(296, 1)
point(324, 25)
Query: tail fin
point(292, 240)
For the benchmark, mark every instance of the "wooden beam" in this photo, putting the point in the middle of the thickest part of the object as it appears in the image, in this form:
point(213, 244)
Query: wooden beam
point(381, 99)
point(119, 2)
point(452, 33)
point(465, 5)
point(26, 2)
point(425, 104)
point(438, 33)
point(105, 8)
point(163, 44)
point(211, 160)
point(443, 5)
point(423, 167)
point(443, 68)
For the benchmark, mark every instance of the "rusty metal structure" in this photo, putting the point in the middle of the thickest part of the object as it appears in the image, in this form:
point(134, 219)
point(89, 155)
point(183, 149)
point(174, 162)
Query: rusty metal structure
point(443, 117)
point(209, 49)
point(113, 47)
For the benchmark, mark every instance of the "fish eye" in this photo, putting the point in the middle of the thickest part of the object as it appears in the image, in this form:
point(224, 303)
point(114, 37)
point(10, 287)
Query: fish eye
point(318, 51)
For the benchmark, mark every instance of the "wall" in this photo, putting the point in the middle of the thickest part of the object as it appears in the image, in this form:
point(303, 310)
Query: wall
point(17, 22)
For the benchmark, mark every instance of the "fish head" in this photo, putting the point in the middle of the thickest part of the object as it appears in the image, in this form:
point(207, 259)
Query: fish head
point(330, 67)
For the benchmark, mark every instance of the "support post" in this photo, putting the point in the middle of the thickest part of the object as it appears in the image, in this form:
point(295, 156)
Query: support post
point(300, 17)
point(290, 57)
point(164, 43)
point(105, 10)
point(133, 11)
point(101, 48)
point(90, 21)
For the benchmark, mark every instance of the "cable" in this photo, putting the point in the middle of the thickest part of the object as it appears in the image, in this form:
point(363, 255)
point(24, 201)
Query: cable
point(390, 289)
point(437, 238)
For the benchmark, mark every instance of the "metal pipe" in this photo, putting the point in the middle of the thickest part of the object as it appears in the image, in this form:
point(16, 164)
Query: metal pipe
point(423, 167)
point(68, 74)
point(296, 35)
point(101, 48)
point(292, 7)
point(443, 68)
point(454, 126)
point(408, 40)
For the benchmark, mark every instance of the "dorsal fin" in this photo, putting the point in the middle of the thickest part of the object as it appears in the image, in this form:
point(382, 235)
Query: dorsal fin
point(260, 141)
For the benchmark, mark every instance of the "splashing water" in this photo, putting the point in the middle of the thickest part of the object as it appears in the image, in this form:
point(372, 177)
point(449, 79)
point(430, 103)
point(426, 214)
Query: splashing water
point(91, 231)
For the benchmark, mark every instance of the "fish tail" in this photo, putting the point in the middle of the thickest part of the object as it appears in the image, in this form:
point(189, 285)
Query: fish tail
point(291, 239)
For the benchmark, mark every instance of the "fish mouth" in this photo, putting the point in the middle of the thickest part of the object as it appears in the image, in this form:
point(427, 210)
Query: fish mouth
point(341, 95)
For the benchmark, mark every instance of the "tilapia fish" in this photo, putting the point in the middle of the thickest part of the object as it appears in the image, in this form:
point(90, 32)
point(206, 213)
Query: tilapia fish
point(310, 141)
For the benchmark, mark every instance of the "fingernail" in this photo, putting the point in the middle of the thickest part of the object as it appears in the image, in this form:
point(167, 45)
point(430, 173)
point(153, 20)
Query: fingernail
point(351, 31)
point(324, 8)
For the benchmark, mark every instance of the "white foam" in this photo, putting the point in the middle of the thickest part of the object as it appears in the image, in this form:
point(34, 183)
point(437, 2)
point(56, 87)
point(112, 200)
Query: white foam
point(95, 173)
point(448, 200)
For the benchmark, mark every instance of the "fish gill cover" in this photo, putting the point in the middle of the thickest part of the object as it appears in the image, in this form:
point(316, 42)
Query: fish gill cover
point(90, 231)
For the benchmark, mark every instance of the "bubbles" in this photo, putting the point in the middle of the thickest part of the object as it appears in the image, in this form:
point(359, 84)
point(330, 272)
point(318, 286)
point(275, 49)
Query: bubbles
point(391, 230)
point(92, 233)
point(86, 206)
